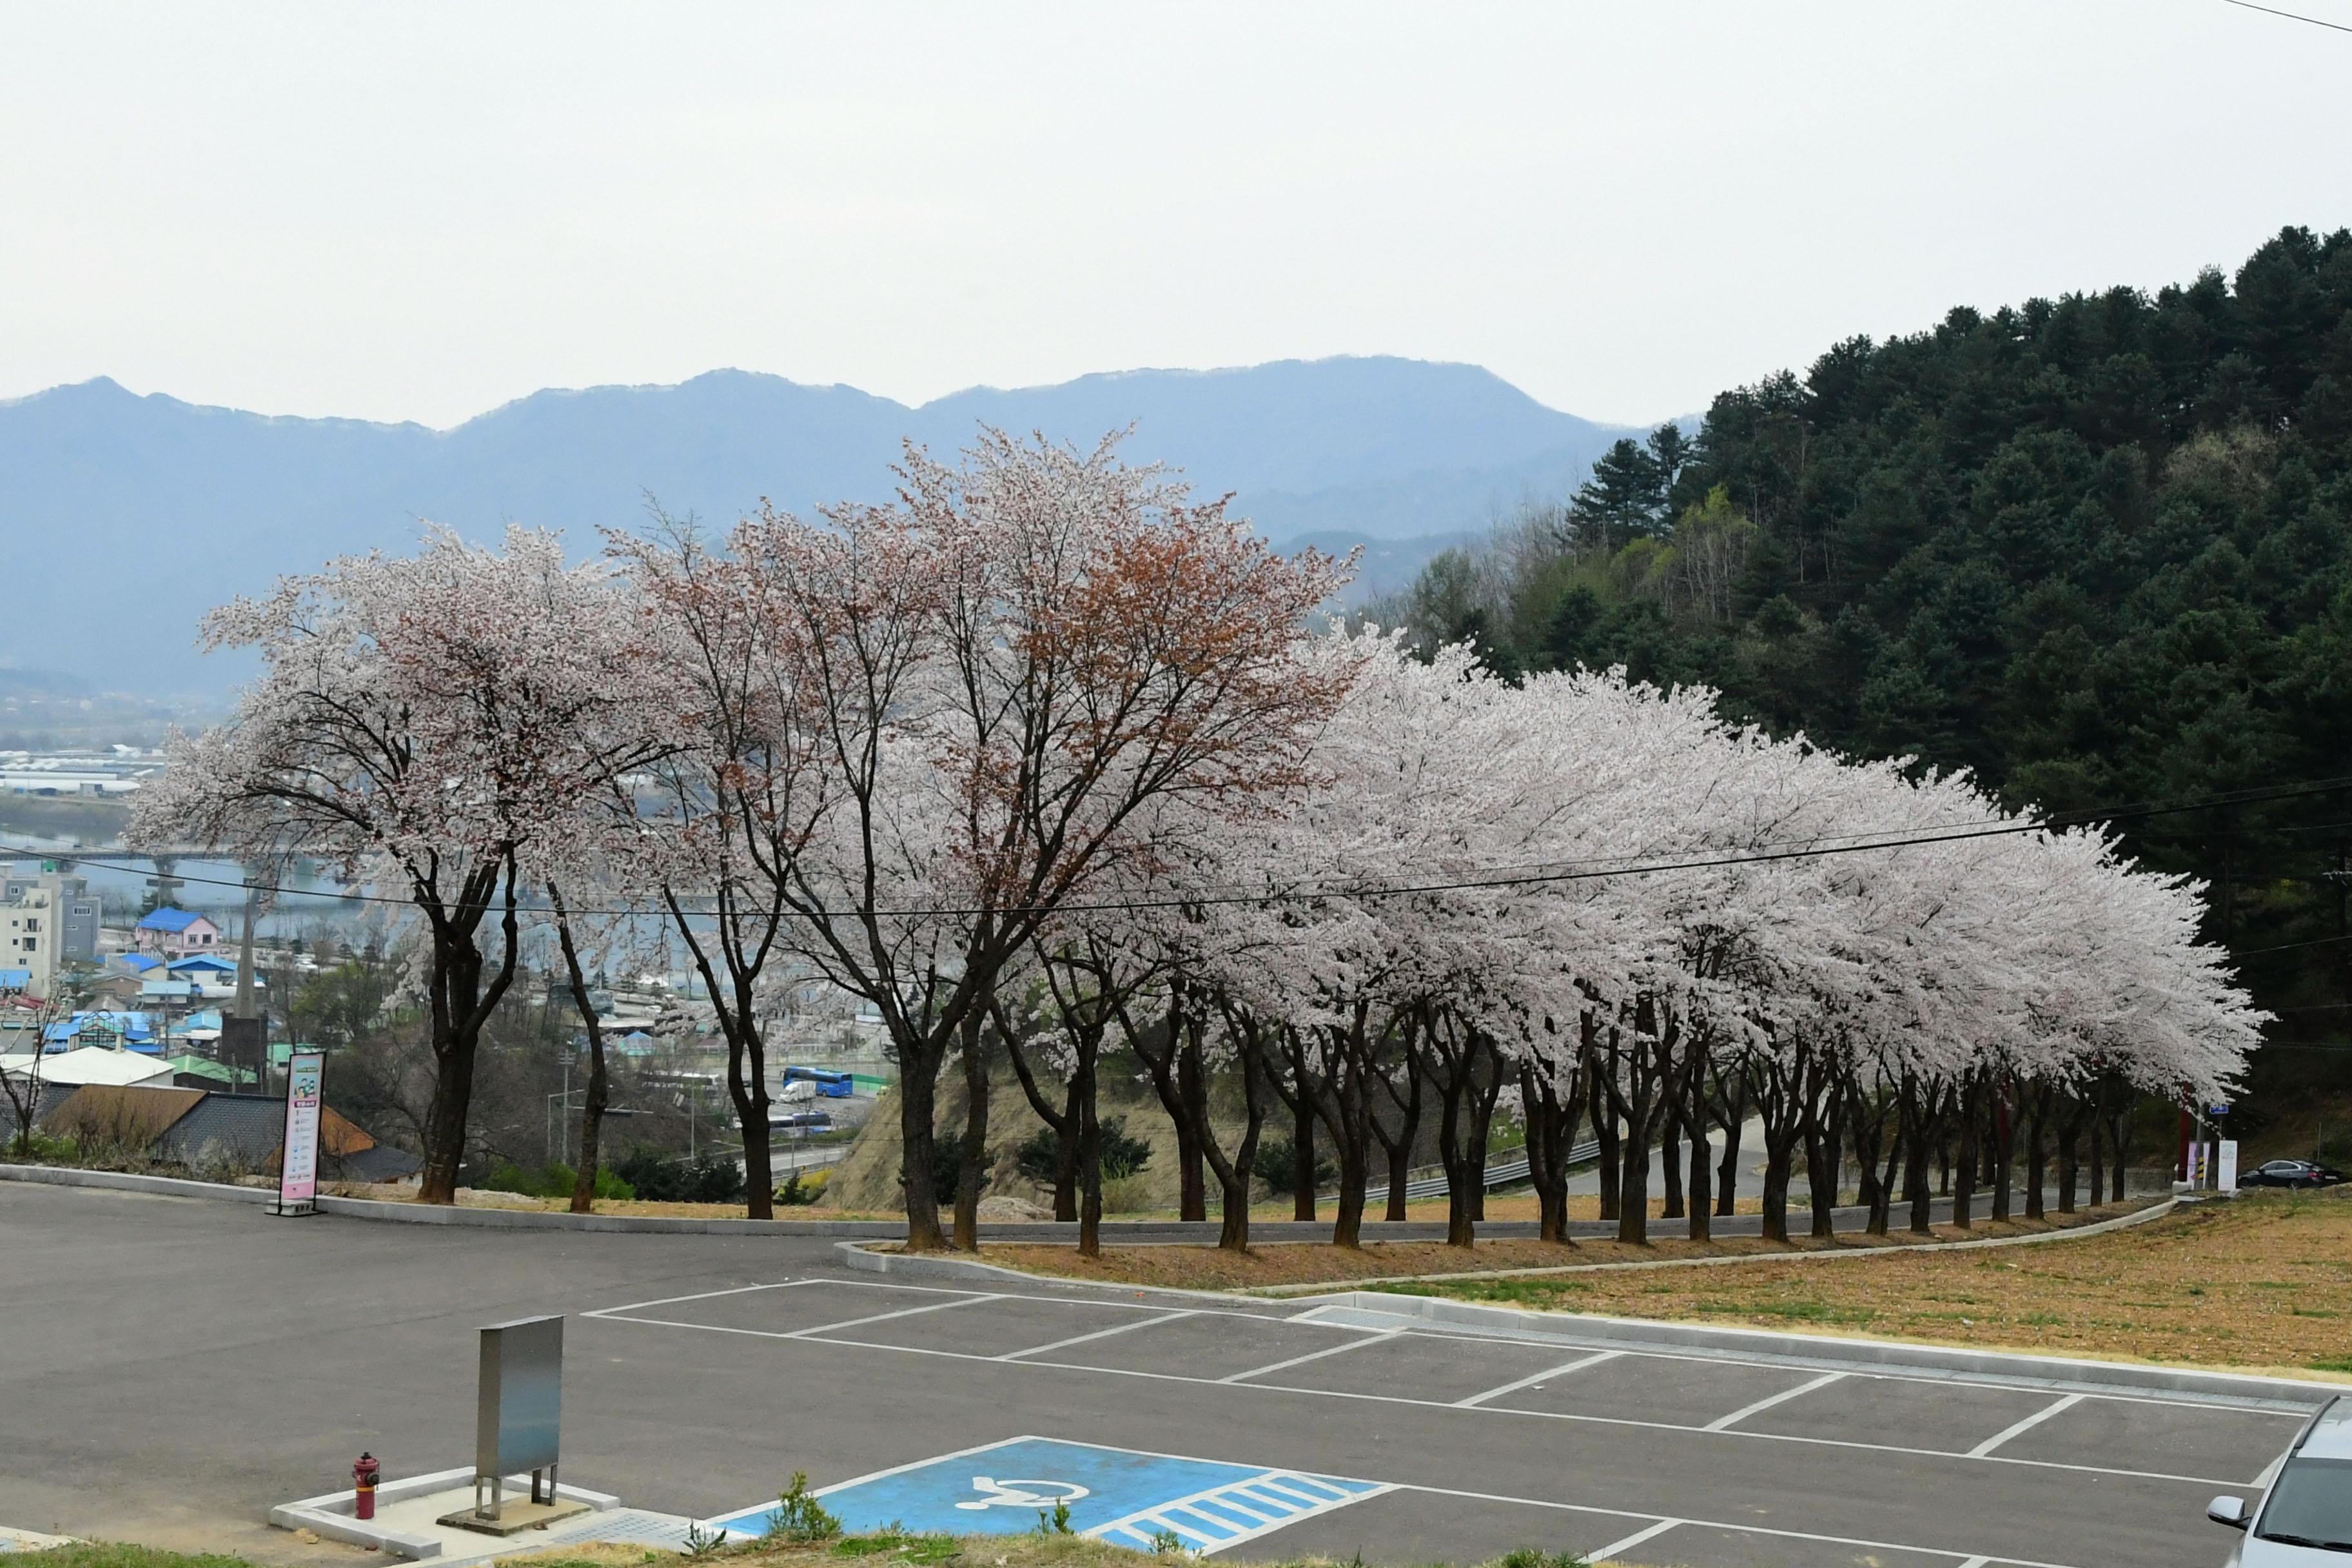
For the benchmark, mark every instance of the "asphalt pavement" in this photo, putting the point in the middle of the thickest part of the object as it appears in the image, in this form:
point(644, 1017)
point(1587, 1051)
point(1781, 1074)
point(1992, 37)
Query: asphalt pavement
point(175, 1366)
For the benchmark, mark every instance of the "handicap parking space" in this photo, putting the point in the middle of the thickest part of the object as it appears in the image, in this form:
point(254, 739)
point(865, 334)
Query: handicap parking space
point(1439, 1368)
point(1207, 1345)
point(2202, 1441)
point(985, 1327)
point(1943, 1414)
point(1672, 1391)
point(1407, 1526)
point(1123, 1496)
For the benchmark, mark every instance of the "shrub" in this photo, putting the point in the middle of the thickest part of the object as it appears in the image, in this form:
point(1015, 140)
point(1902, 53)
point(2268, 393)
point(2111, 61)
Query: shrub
point(800, 1188)
point(662, 1178)
point(1276, 1164)
point(1122, 1155)
point(799, 1517)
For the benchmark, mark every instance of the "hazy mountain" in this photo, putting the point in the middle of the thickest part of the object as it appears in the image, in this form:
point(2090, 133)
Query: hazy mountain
point(125, 517)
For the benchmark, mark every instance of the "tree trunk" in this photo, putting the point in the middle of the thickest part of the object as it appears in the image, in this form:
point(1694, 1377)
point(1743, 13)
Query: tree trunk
point(1702, 1156)
point(1192, 1189)
point(593, 1103)
point(1670, 1158)
point(1824, 1154)
point(2037, 1156)
point(2119, 1135)
point(1482, 1116)
point(1605, 1141)
point(2004, 1150)
point(1061, 1123)
point(972, 1166)
point(918, 1070)
point(1302, 1148)
point(1964, 1192)
point(461, 1002)
point(1726, 1183)
point(1090, 1163)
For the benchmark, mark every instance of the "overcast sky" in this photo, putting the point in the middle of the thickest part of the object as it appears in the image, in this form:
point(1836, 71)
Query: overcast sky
point(410, 212)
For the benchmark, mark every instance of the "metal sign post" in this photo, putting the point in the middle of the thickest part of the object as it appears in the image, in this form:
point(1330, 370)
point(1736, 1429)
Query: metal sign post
point(297, 1159)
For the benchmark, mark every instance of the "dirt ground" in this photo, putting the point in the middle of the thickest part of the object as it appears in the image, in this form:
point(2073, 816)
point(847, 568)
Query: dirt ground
point(2262, 1282)
point(1300, 1263)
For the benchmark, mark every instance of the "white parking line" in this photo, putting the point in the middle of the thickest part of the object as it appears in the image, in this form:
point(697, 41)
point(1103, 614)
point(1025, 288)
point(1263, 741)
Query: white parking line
point(1649, 1532)
point(815, 1332)
point(699, 1295)
point(1098, 1334)
point(1578, 1364)
point(1373, 1337)
point(2021, 1384)
point(885, 1317)
point(1726, 1423)
point(1029, 1359)
point(2022, 1427)
point(1741, 1528)
point(1977, 1562)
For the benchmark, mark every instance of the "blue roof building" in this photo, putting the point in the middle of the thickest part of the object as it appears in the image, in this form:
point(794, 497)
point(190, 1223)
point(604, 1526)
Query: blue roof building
point(168, 920)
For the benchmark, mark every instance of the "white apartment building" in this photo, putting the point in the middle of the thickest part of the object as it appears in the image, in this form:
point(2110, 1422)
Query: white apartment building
point(28, 938)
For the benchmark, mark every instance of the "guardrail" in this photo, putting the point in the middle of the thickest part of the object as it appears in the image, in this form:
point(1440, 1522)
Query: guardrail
point(1508, 1173)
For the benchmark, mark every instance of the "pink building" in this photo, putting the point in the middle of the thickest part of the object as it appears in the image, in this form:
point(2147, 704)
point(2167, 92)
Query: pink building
point(177, 933)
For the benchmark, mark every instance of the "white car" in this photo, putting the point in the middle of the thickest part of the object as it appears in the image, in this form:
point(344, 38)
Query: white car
point(2305, 1517)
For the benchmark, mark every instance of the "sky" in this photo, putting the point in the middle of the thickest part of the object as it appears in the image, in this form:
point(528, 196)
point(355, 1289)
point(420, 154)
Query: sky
point(419, 212)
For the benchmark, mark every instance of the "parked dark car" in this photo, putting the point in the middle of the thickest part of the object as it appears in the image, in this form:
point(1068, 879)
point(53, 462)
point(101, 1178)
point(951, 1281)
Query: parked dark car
point(2290, 1173)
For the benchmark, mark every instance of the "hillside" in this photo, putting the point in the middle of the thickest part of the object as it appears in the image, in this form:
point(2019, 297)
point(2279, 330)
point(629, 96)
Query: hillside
point(110, 500)
point(2096, 550)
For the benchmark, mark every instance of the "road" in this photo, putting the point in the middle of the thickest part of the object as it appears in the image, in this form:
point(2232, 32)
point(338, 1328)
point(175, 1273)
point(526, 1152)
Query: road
point(175, 1366)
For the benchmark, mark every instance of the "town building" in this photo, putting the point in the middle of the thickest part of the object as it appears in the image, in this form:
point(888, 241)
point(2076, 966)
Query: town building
point(175, 933)
point(28, 940)
point(75, 908)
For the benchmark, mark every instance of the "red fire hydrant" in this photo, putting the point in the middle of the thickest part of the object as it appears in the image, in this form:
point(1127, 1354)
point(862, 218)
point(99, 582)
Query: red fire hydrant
point(363, 1475)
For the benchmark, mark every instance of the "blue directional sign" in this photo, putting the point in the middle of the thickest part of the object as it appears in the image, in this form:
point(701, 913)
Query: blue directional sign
point(1114, 1494)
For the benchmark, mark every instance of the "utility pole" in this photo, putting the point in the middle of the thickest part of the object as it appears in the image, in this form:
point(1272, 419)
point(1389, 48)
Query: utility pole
point(243, 1030)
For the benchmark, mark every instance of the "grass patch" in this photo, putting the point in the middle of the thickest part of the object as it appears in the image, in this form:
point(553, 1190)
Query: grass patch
point(1801, 1311)
point(118, 1554)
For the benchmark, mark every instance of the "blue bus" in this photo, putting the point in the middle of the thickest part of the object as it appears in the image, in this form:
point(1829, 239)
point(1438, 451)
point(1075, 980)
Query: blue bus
point(830, 1084)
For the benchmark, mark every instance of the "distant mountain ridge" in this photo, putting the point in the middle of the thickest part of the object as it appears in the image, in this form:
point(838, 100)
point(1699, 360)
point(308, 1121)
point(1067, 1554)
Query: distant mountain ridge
point(125, 517)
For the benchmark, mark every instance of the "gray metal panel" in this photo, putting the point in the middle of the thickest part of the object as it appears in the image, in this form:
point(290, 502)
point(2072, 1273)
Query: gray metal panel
point(518, 1416)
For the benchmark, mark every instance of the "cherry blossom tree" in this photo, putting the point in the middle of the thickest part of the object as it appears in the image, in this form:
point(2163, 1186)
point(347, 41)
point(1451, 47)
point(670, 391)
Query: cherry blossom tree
point(971, 693)
point(434, 725)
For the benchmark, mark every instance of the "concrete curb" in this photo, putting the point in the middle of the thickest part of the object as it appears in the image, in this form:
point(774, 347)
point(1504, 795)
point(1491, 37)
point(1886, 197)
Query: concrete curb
point(330, 1514)
point(932, 1265)
point(856, 1255)
point(629, 1224)
point(433, 1214)
point(2064, 1232)
point(126, 1182)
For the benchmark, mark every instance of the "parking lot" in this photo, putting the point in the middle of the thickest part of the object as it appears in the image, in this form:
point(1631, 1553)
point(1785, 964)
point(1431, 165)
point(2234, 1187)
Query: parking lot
point(201, 1360)
point(1518, 1405)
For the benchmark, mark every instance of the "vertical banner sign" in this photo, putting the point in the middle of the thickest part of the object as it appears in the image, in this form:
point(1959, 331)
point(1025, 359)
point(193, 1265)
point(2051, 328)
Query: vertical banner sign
point(298, 1167)
point(2229, 1174)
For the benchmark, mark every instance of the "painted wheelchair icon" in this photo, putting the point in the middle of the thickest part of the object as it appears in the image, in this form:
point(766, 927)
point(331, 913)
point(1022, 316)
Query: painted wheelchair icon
point(1022, 1494)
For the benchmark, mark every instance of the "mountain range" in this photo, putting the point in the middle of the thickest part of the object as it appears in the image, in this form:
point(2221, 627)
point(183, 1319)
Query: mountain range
point(124, 517)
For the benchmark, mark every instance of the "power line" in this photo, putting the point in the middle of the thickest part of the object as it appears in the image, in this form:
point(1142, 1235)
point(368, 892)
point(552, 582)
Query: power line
point(2290, 16)
point(1599, 867)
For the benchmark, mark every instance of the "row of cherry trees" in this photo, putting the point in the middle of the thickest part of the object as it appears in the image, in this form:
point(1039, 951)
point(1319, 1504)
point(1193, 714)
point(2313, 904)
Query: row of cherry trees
point(1592, 904)
point(1043, 759)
